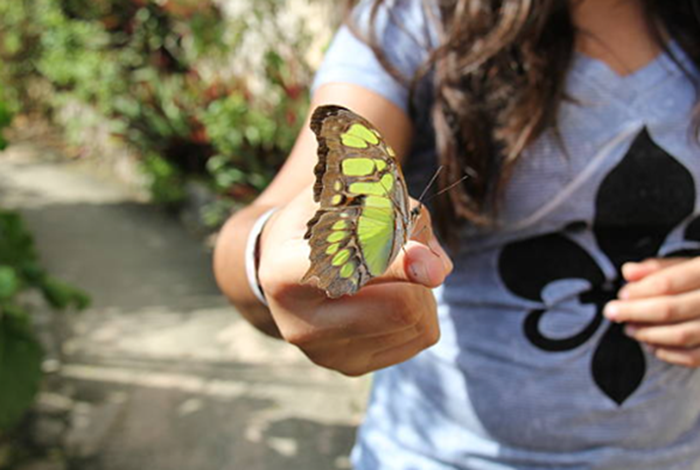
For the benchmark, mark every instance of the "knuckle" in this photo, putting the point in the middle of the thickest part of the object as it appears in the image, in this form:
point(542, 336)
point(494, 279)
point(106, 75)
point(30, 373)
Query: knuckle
point(432, 336)
point(689, 359)
point(667, 311)
point(683, 337)
point(664, 285)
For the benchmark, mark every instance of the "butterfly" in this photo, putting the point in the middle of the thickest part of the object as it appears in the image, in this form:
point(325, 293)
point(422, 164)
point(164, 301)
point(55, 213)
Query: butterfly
point(365, 216)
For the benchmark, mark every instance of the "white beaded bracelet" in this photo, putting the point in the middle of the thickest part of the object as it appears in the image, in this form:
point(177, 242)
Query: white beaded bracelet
point(252, 248)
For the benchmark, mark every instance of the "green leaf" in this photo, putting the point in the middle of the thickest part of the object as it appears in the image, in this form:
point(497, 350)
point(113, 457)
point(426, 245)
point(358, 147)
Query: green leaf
point(5, 115)
point(61, 295)
point(20, 367)
point(9, 282)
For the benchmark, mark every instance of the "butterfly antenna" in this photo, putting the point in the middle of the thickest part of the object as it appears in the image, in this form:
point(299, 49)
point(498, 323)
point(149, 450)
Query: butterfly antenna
point(444, 190)
point(430, 184)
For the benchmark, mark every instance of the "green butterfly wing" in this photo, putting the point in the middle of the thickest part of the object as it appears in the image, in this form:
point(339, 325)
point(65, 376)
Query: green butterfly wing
point(364, 218)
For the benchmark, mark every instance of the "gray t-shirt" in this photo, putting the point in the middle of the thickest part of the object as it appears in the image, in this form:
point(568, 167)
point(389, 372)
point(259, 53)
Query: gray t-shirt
point(528, 374)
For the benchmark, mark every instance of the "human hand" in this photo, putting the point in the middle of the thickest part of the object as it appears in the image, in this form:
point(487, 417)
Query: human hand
point(661, 306)
point(388, 321)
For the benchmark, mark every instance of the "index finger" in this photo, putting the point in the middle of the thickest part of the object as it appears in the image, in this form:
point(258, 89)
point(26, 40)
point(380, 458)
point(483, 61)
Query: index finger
point(636, 271)
point(675, 279)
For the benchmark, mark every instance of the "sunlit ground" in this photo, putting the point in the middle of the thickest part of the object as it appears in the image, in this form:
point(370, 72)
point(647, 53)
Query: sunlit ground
point(163, 372)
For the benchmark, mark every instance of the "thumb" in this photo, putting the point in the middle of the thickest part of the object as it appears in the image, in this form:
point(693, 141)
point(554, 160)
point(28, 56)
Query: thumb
point(419, 263)
point(422, 260)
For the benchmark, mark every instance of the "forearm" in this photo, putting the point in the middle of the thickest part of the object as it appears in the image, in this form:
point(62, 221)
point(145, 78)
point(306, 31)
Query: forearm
point(229, 268)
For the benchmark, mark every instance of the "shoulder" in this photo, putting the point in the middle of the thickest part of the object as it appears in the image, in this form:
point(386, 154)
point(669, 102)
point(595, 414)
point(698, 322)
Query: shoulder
point(410, 22)
point(381, 47)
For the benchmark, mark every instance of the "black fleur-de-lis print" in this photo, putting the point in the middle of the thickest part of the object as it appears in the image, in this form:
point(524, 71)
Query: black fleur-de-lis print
point(637, 205)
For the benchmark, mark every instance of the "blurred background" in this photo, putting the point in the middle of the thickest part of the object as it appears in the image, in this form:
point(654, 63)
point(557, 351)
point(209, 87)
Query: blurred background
point(130, 130)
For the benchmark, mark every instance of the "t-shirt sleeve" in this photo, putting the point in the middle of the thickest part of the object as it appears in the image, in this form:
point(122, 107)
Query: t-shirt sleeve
point(402, 33)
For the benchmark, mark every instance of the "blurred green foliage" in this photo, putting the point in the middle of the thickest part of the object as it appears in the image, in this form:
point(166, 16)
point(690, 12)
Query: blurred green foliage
point(20, 352)
point(20, 272)
point(5, 118)
point(172, 79)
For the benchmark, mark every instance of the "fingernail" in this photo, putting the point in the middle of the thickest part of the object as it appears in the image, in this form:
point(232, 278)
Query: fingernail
point(627, 267)
point(623, 293)
point(651, 349)
point(419, 273)
point(611, 311)
point(631, 330)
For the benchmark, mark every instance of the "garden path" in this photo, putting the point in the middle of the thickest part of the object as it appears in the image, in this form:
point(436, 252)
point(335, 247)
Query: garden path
point(165, 374)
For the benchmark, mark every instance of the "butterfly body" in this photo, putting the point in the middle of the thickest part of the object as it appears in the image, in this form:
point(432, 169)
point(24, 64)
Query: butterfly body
point(365, 217)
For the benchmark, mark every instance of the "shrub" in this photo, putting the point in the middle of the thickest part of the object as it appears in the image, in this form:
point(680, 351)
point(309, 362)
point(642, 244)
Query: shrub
point(198, 93)
point(20, 272)
point(20, 352)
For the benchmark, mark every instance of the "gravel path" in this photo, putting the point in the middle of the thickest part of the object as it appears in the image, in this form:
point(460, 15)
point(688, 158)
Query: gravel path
point(165, 375)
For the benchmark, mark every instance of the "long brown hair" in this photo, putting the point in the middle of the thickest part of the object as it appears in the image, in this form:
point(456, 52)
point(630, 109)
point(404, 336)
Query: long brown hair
point(498, 77)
